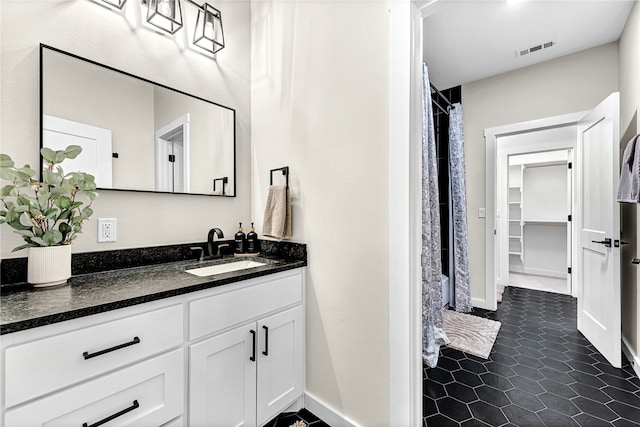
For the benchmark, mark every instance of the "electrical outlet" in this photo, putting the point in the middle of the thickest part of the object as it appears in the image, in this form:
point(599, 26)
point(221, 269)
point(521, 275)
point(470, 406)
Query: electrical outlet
point(107, 229)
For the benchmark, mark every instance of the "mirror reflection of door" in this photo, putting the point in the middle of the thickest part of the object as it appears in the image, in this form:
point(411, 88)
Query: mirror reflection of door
point(58, 133)
point(172, 156)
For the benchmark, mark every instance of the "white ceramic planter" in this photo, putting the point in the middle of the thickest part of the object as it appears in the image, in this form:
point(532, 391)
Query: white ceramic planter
point(49, 266)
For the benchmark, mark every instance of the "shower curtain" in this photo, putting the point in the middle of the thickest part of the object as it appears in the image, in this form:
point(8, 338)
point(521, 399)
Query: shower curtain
point(459, 207)
point(433, 335)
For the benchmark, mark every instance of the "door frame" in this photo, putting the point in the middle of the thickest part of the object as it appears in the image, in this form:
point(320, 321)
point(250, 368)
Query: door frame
point(491, 138)
point(504, 151)
point(160, 148)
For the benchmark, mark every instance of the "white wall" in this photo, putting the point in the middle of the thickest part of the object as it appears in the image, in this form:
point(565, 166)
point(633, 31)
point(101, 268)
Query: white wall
point(570, 84)
point(90, 30)
point(320, 106)
point(629, 126)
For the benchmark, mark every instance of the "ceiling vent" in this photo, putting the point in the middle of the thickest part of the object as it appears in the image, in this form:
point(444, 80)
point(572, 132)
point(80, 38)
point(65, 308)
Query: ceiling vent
point(534, 49)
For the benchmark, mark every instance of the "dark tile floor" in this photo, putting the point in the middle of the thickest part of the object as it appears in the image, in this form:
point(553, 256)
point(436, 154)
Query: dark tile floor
point(541, 372)
point(288, 419)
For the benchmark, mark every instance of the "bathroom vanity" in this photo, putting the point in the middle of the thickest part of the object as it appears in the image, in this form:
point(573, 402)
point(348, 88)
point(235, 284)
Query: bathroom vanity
point(157, 346)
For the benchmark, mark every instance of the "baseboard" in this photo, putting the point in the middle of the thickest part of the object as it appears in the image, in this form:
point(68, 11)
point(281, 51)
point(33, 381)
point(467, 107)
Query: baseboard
point(633, 358)
point(326, 413)
point(548, 273)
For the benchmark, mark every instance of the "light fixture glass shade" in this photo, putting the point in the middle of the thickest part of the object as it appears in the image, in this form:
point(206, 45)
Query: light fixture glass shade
point(165, 14)
point(208, 33)
point(115, 3)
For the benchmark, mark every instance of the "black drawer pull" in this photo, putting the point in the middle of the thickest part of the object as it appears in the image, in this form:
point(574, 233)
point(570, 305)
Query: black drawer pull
point(88, 355)
point(114, 416)
point(253, 337)
point(266, 341)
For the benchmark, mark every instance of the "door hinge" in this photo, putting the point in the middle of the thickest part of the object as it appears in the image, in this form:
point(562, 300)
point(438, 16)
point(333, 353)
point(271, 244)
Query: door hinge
point(569, 270)
point(172, 158)
point(569, 218)
point(569, 165)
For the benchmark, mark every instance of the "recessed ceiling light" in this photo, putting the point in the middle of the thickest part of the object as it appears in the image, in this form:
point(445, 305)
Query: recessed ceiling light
point(512, 2)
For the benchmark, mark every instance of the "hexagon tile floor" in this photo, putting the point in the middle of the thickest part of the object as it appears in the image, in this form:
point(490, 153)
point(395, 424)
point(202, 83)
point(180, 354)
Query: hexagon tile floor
point(541, 372)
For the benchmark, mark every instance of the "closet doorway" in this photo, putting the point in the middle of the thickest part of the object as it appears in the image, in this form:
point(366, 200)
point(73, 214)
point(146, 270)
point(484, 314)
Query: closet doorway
point(539, 212)
point(535, 204)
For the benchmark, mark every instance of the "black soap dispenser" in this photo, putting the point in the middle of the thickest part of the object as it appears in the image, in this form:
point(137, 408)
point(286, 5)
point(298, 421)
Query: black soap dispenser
point(241, 241)
point(252, 240)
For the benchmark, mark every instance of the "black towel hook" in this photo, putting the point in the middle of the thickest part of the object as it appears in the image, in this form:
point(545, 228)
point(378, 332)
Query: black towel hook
point(285, 172)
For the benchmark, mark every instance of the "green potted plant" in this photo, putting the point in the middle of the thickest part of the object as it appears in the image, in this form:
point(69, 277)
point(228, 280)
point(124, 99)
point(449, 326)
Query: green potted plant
point(49, 214)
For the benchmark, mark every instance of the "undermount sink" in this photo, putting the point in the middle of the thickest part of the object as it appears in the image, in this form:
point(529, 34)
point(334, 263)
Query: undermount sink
point(224, 268)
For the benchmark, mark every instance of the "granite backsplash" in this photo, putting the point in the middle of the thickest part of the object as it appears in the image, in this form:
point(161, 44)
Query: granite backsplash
point(14, 270)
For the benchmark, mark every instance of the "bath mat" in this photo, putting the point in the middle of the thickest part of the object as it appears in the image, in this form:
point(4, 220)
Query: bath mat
point(470, 334)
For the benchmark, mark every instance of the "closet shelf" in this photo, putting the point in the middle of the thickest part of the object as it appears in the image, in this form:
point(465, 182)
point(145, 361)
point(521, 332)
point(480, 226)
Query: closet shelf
point(544, 221)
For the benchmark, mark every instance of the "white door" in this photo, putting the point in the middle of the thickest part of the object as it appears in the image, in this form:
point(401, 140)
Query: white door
point(599, 255)
point(222, 377)
point(281, 362)
point(96, 156)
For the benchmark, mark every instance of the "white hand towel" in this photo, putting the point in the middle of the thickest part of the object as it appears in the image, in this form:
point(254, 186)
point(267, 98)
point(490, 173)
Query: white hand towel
point(277, 213)
point(629, 186)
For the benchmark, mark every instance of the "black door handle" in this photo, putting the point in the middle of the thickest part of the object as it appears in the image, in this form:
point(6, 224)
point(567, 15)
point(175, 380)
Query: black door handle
point(266, 341)
point(253, 352)
point(606, 242)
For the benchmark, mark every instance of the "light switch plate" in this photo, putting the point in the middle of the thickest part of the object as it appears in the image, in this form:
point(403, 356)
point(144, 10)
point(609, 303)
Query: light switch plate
point(482, 213)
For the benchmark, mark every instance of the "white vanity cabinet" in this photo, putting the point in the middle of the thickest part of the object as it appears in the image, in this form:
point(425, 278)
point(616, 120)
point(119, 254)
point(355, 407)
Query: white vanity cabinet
point(248, 375)
point(124, 367)
point(247, 371)
point(228, 355)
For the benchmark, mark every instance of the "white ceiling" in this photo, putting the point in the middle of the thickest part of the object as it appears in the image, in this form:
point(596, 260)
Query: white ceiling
point(467, 40)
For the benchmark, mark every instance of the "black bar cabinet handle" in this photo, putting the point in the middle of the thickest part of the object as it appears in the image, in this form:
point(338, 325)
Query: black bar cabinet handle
point(114, 416)
point(266, 341)
point(253, 337)
point(88, 355)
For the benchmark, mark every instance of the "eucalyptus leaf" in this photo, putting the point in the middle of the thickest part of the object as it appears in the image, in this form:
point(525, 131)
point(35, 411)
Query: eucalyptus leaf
point(64, 202)
point(39, 241)
point(6, 161)
point(18, 225)
point(7, 189)
point(25, 219)
point(48, 154)
point(72, 151)
point(8, 174)
point(52, 178)
point(19, 248)
point(52, 237)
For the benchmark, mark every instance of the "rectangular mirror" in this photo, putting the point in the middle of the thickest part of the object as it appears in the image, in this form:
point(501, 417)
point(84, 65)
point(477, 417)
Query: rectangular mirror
point(135, 134)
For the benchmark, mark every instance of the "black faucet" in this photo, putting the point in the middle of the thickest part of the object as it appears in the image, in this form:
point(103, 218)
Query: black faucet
point(211, 241)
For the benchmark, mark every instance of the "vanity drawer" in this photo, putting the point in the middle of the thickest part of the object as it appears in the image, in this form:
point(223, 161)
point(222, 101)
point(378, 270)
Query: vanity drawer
point(221, 311)
point(149, 393)
point(45, 365)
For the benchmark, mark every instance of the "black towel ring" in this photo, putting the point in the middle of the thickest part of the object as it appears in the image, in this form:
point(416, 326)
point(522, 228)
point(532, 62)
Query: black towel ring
point(285, 172)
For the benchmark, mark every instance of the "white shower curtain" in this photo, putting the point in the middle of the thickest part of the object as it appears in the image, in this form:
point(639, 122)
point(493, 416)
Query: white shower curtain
point(459, 207)
point(433, 335)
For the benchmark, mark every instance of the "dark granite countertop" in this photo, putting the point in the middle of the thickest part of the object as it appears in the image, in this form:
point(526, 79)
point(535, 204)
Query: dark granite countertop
point(88, 294)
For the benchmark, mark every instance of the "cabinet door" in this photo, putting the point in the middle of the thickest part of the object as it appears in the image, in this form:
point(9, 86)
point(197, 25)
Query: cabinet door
point(280, 362)
point(222, 379)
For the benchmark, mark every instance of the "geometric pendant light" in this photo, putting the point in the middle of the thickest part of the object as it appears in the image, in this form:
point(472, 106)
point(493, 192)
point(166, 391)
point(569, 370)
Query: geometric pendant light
point(208, 34)
point(164, 14)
